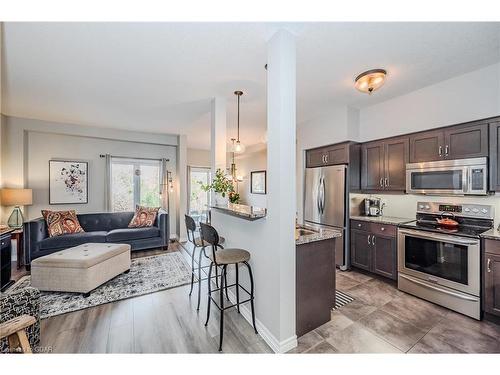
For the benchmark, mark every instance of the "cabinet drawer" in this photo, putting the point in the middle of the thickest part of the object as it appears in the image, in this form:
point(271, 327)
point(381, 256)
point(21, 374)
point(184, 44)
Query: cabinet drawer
point(492, 247)
point(383, 229)
point(360, 225)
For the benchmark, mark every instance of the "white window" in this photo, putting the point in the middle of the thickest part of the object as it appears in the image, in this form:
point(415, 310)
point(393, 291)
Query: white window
point(135, 182)
point(198, 199)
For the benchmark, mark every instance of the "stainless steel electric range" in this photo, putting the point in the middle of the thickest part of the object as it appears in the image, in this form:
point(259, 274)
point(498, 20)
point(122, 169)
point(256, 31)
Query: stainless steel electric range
point(442, 264)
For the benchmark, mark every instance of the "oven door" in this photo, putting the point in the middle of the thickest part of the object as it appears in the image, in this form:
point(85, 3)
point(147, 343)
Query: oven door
point(437, 180)
point(441, 259)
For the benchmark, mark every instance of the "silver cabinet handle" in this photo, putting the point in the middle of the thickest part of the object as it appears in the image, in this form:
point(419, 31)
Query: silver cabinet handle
point(382, 229)
point(359, 225)
point(369, 240)
point(446, 148)
point(440, 150)
point(488, 265)
point(381, 182)
point(373, 240)
point(386, 182)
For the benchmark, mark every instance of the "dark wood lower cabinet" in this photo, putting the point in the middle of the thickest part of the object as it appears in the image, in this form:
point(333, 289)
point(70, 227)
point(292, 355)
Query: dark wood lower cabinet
point(315, 284)
point(384, 256)
point(491, 277)
point(361, 249)
point(372, 251)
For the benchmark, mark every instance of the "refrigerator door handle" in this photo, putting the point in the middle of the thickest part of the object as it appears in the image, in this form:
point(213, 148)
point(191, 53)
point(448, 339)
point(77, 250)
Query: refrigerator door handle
point(322, 187)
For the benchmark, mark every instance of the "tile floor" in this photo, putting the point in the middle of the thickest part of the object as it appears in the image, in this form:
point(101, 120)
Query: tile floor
point(382, 319)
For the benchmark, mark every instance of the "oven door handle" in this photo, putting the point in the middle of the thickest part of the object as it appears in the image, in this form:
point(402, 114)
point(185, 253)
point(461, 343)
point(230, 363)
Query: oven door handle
point(441, 237)
point(445, 291)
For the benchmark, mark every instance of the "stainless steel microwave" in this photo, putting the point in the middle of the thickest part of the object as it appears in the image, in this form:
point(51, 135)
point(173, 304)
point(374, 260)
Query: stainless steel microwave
point(448, 177)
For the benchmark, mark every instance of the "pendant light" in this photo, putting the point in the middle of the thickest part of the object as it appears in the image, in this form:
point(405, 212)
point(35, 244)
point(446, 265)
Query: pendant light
point(238, 147)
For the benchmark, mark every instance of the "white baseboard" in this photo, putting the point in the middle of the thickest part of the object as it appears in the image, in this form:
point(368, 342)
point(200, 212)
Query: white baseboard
point(276, 345)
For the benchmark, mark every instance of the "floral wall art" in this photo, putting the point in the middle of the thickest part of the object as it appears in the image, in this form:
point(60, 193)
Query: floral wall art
point(68, 182)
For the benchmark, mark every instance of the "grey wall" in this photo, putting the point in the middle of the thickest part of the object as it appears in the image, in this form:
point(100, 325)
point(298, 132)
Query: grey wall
point(28, 145)
point(246, 163)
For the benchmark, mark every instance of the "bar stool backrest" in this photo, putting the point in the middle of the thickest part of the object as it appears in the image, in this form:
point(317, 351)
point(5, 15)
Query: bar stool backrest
point(209, 234)
point(190, 227)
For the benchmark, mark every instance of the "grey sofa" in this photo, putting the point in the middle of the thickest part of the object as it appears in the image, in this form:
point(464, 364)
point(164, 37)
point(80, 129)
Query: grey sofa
point(99, 227)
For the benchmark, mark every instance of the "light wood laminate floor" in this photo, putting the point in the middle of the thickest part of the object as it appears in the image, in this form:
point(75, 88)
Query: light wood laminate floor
point(160, 322)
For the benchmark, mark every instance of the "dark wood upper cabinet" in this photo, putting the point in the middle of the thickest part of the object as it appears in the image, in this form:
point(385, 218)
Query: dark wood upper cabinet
point(494, 156)
point(328, 155)
point(428, 146)
point(383, 165)
point(454, 142)
point(464, 141)
point(372, 166)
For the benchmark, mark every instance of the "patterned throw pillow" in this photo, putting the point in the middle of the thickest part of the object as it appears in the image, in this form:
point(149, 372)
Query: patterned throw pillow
point(144, 217)
point(61, 222)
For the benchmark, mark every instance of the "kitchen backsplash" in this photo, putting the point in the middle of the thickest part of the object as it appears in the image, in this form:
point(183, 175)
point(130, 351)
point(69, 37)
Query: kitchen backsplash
point(405, 205)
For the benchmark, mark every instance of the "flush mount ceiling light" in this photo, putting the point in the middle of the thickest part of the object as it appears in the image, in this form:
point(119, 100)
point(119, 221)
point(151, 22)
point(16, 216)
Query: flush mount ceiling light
point(237, 146)
point(370, 80)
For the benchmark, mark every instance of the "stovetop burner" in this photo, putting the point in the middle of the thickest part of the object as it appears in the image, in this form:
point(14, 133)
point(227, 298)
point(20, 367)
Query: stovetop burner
point(472, 219)
point(461, 230)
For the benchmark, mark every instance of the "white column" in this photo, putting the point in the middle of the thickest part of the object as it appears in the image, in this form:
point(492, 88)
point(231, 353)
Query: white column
point(181, 191)
point(218, 139)
point(281, 165)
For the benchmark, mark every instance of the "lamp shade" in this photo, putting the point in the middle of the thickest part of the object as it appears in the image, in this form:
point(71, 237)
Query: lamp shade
point(16, 197)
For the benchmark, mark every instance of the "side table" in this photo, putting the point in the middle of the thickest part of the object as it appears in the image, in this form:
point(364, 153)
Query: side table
point(18, 236)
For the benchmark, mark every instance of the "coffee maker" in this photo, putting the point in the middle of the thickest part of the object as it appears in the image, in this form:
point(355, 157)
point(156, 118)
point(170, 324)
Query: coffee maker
point(373, 206)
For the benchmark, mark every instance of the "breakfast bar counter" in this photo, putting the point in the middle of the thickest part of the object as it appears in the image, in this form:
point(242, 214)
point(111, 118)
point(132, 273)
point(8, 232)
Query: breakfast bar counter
point(242, 211)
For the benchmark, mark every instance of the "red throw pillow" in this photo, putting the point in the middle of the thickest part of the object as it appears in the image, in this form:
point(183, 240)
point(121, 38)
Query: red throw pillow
point(61, 222)
point(144, 217)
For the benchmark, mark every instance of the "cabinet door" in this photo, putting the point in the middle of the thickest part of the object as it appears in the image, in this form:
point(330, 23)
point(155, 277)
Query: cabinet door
point(372, 166)
point(361, 249)
point(427, 146)
point(492, 283)
point(384, 256)
point(338, 154)
point(396, 158)
point(463, 142)
point(316, 158)
point(495, 156)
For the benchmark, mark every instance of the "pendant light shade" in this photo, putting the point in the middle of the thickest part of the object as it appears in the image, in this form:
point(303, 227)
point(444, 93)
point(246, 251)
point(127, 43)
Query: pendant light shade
point(238, 147)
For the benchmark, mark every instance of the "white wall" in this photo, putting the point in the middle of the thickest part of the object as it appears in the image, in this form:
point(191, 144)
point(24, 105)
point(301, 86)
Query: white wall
point(338, 124)
point(198, 158)
point(246, 163)
point(28, 145)
point(468, 97)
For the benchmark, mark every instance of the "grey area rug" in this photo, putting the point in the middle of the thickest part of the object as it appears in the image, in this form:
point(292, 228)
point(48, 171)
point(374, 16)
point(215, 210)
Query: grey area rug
point(147, 275)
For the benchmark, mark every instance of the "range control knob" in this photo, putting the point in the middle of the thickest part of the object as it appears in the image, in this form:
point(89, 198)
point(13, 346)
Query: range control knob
point(475, 210)
point(484, 211)
point(421, 206)
point(467, 209)
point(427, 207)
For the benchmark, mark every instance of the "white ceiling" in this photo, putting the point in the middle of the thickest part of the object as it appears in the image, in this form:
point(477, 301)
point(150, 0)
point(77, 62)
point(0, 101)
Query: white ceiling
point(160, 77)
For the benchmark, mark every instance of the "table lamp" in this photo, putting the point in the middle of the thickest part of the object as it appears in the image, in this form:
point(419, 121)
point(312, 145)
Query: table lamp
point(16, 197)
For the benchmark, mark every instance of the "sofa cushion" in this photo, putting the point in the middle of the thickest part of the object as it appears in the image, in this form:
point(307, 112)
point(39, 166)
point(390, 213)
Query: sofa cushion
point(61, 222)
point(128, 234)
point(143, 217)
point(70, 240)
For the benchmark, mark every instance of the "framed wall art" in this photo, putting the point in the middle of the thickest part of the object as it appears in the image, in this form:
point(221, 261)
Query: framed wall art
point(258, 182)
point(68, 182)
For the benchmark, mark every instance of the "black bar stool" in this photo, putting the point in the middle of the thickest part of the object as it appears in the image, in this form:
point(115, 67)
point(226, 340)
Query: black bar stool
point(197, 266)
point(223, 258)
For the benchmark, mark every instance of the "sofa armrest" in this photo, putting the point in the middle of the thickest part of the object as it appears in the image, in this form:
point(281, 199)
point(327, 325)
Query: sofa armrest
point(163, 224)
point(25, 301)
point(34, 232)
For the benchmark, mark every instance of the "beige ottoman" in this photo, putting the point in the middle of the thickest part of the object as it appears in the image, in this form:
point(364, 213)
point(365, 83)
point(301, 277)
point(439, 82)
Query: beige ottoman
point(81, 268)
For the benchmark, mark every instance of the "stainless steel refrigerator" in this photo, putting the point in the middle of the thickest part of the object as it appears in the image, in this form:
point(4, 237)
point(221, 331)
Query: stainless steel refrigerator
point(325, 204)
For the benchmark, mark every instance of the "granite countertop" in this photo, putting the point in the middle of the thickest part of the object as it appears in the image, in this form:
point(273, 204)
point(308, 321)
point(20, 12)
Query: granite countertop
point(318, 235)
point(388, 220)
point(492, 234)
point(243, 211)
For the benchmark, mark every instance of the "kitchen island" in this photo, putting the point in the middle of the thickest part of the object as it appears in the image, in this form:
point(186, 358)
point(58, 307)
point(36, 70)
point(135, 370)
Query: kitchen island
point(315, 277)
